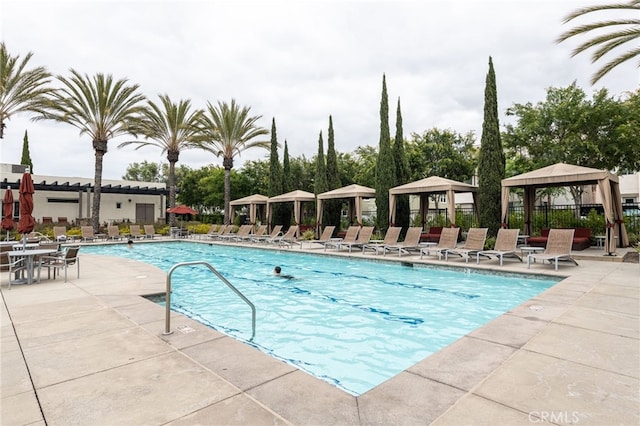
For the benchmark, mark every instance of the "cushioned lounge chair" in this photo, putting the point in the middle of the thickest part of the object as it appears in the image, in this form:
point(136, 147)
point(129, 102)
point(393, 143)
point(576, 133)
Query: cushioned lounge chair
point(243, 232)
point(350, 237)
point(60, 233)
point(390, 239)
point(325, 237)
point(275, 232)
point(506, 243)
point(150, 232)
point(215, 231)
point(558, 248)
point(286, 239)
point(259, 233)
point(448, 240)
point(87, 233)
point(411, 242)
point(113, 233)
point(474, 243)
point(364, 236)
point(134, 232)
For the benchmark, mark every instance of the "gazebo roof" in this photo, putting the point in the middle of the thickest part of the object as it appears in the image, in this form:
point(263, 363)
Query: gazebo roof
point(296, 195)
point(349, 192)
point(559, 174)
point(433, 184)
point(251, 199)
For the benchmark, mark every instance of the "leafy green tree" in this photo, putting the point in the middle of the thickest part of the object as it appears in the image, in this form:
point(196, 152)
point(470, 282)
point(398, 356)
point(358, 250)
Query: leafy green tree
point(491, 160)
point(257, 174)
point(144, 172)
point(102, 109)
point(385, 164)
point(172, 127)
point(228, 130)
point(443, 153)
point(21, 89)
point(26, 156)
point(610, 34)
point(366, 157)
point(332, 208)
point(287, 183)
point(303, 171)
point(403, 173)
point(602, 132)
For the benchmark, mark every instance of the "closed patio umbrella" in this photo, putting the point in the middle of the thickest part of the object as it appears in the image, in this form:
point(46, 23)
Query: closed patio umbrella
point(7, 211)
point(26, 222)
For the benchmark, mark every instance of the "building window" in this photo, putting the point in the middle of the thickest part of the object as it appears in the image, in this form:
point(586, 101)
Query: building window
point(118, 205)
point(629, 201)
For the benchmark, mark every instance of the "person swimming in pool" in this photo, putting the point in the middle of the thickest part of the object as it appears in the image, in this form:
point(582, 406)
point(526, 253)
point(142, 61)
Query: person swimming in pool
point(277, 271)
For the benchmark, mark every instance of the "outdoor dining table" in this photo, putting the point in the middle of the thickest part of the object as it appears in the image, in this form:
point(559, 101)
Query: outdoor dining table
point(29, 259)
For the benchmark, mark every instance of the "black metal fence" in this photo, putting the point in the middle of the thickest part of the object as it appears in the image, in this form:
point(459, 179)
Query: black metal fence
point(555, 216)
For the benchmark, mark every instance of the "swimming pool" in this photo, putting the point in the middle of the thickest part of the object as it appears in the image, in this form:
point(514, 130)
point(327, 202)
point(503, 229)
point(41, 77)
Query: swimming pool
point(351, 322)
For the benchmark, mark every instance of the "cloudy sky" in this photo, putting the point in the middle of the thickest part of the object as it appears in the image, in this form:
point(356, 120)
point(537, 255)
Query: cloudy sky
point(298, 62)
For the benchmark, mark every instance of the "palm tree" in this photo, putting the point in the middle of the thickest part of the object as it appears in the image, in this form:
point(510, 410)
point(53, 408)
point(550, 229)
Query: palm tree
point(627, 30)
point(102, 109)
point(172, 128)
point(227, 130)
point(21, 90)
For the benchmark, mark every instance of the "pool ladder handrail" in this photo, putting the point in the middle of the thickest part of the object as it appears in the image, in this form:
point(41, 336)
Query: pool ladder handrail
point(167, 322)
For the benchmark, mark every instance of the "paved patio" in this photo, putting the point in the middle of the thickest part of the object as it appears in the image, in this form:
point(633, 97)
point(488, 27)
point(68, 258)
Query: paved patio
point(91, 352)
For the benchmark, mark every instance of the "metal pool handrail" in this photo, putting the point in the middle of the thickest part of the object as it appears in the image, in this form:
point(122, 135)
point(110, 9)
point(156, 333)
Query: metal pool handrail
point(167, 322)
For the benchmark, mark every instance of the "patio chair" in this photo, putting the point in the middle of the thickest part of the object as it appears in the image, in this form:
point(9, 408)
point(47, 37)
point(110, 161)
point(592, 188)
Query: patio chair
point(448, 240)
point(113, 233)
point(324, 237)
point(558, 248)
point(506, 243)
point(62, 261)
point(411, 242)
point(60, 233)
point(474, 243)
point(364, 236)
point(243, 231)
point(390, 239)
point(134, 232)
point(150, 231)
point(87, 233)
point(349, 237)
point(215, 231)
point(275, 232)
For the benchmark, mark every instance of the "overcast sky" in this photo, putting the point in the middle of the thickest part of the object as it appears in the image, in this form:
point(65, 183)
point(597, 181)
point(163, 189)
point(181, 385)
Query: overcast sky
point(298, 62)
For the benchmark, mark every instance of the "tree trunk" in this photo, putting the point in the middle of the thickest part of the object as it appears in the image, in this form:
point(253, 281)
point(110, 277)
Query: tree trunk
point(172, 157)
point(228, 165)
point(100, 148)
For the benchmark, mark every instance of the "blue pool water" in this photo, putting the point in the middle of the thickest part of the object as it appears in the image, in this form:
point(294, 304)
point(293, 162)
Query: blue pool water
point(354, 323)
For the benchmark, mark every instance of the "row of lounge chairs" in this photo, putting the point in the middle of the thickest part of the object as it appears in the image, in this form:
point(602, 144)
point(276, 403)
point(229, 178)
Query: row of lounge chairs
point(359, 237)
point(113, 233)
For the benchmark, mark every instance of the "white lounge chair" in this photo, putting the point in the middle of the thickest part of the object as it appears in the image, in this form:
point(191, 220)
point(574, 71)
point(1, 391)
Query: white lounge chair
point(558, 248)
point(448, 240)
point(506, 243)
point(474, 243)
point(364, 235)
point(349, 237)
point(411, 242)
point(390, 239)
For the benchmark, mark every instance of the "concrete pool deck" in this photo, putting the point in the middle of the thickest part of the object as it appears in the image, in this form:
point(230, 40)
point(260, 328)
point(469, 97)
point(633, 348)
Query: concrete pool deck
point(92, 352)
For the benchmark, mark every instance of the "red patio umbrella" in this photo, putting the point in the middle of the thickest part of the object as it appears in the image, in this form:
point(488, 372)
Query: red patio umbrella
point(26, 222)
point(7, 211)
point(182, 209)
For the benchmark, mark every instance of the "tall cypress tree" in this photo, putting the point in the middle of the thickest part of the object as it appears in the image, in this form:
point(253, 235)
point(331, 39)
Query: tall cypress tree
point(491, 161)
point(320, 183)
point(385, 166)
point(26, 156)
point(332, 208)
point(287, 185)
point(402, 173)
point(275, 174)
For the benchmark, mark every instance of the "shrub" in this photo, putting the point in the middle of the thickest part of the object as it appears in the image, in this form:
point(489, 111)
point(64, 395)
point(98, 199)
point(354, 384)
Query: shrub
point(309, 234)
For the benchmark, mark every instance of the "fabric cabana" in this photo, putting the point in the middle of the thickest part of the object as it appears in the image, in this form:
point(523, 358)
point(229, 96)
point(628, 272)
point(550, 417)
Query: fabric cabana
point(425, 188)
point(254, 202)
point(560, 175)
point(354, 193)
point(297, 198)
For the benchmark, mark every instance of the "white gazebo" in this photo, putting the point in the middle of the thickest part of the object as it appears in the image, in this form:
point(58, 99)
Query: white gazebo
point(297, 198)
point(254, 202)
point(354, 193)
point(432, 185)
point(560, 175)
